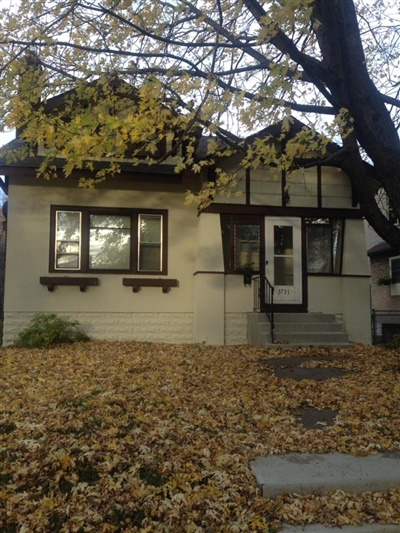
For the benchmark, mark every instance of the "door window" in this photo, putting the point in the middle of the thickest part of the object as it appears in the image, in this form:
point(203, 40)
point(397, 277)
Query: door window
point(283, 255)
point(284, 259)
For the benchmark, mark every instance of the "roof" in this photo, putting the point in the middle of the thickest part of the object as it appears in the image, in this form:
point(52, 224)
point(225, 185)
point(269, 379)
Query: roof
point(380, 249)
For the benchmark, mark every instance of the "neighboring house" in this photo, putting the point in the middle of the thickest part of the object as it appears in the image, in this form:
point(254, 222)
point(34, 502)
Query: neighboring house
point(3, 212)
point(130, 261)
point(385, 288)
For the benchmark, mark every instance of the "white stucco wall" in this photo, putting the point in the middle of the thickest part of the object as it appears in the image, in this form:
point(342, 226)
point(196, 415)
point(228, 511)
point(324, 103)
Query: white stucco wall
point(208, 280)
point(109, 310)
point(347, 296)
point(355, 259)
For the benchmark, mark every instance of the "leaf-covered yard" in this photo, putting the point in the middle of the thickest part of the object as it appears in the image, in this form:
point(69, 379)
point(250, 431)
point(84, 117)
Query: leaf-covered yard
point(118, 437)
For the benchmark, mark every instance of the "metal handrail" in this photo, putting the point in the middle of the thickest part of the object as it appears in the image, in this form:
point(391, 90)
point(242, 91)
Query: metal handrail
point(268, 303)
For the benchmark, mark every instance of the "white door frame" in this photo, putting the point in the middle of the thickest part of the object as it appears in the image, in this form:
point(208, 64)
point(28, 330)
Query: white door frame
point(289, 288)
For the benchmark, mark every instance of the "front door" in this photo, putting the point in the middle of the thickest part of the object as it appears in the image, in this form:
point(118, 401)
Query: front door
point(284, 259)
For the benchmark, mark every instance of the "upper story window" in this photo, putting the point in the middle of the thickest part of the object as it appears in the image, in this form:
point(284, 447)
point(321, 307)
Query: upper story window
point(324, 245)
point(88, 239)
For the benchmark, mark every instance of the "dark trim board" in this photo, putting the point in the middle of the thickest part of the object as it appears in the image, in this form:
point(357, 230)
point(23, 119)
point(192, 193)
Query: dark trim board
point(288, 308)
point(147, 175)
point(81, 282)
point(278, 211)
point(138, 283)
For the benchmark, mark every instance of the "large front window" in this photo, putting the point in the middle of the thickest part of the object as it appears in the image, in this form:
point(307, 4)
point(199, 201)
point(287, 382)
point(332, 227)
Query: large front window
point(324, 245)
point(108, 240)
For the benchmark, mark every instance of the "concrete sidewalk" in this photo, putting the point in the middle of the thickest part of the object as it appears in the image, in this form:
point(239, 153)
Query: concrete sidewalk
point(304, 473)
point(317, 528)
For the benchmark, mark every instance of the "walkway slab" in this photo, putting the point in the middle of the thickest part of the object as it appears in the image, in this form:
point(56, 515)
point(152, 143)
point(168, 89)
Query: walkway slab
point(318, 528)
point(304, 473)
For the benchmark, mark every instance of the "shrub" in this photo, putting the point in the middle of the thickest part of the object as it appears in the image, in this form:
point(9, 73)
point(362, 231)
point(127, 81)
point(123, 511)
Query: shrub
point(49, 329)
point(394, 343)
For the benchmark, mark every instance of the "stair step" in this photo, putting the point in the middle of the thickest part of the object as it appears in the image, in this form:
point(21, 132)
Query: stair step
point(312, 337)
point(304, 317)
point(308, 327)
point(297, 329)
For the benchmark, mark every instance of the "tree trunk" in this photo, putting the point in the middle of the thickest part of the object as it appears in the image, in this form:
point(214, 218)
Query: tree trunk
point(349, 82)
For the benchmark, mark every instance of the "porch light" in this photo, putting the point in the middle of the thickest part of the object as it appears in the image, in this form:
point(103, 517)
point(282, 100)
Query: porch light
point(247, 277)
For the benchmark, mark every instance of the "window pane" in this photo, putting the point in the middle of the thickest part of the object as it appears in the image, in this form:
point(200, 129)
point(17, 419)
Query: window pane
point(319, 247)
point(283, 271)
point(109, 242)
point(68, 234)
point(150, 228)
point(226, 241)
point(395, 270)
point(67, 261)
point(110, 221)
point(150, 242)
point(247, 246)
point(283, 240)
point(337, 247)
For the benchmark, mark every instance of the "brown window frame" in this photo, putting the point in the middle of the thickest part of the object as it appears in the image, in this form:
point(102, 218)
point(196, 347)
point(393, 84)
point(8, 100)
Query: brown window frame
point(334, 269)
point(228, 225)
point(134, 214)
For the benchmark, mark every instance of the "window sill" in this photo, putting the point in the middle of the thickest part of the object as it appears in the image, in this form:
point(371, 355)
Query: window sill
point(82, 283)
point(138, 283)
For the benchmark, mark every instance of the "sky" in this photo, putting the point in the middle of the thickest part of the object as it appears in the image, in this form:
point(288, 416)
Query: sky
point(4, 139)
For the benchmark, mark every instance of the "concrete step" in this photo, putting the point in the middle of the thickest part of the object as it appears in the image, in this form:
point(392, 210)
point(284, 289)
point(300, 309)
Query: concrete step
point(297, 329)
point(312, 338)
point(304, 317)
point(308, 327)
point(304, 473)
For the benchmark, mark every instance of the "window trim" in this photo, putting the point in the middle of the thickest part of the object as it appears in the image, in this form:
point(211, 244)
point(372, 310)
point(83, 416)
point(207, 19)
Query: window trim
point(340, 250)
point(228, 241)
point(86, 211)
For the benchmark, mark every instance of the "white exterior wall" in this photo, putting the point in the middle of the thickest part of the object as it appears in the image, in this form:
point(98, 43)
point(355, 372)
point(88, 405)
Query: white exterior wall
point(265, 187)
point(238, 302)
point(155, 327)
point(347, 296)
point(335, 188)
point(303, 189)
point(208, 304)
point(109, 310)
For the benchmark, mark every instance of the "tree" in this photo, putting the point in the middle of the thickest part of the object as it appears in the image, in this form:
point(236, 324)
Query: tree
point(228, 67)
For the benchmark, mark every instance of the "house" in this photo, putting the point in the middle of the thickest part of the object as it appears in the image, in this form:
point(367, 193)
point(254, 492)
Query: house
point(385, 287)
point(130, 261)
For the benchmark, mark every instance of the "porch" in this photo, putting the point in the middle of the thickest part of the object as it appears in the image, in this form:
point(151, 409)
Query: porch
point(265, 326)
point(296, 329)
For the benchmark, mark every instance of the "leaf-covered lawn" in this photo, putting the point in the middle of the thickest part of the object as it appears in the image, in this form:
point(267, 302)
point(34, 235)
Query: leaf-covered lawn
point(118, 437)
